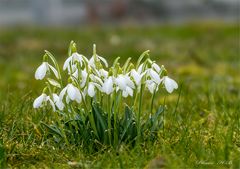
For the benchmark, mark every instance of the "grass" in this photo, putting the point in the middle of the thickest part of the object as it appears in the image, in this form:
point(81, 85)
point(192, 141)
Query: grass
point(200, 131)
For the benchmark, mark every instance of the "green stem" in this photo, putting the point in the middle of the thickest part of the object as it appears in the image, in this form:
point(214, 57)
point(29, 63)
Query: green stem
point(109, 107)
point(115, 120)
point(153, 96)
point(139, 114)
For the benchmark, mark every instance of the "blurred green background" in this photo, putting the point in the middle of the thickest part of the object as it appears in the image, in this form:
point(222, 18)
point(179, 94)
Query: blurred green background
point(194, 51)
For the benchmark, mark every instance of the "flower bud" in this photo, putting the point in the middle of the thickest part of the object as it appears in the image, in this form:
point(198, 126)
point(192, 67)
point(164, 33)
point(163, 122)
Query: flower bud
point(74, 48)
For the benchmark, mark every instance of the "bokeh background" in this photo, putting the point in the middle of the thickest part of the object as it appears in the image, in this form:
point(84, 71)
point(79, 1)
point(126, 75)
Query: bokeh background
point(184, 34)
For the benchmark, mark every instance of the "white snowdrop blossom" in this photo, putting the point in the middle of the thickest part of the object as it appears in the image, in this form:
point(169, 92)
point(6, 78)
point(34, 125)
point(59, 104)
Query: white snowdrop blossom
point(152, 86)
point(156, 67)
point(94, 98)
point(43, 98)
point(154, 76)
point(72, 92)
point(43, 69)
point(125, 84)
point(92, 88)
point(107, 86)
point(93, 60)
point(137, 76)
point(93, 80)
point(169, 84)
point(72, 59)
point(58, 102)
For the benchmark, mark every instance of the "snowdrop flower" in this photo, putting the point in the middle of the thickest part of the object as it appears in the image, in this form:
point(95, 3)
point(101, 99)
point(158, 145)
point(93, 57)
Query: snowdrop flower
point(156, 67)
point(84, 76)
point(92, 88)
point(70, 61)
point(136, 76)
point(154, 76)
point(96, 58)
point(103, 73)
point(125, 84)
point(169, 84)
point(72, 93)
point(58, 102)
point(43, 69)
point(96, 79)
point(92, 61)
point(128, 91)
point(152, 86)
point(43, 98)
point(107, 86)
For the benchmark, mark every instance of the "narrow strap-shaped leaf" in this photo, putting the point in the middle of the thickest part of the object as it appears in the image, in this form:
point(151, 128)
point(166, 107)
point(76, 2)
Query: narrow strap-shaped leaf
point(53, 129)
point(126, 64)
point(100, 117)
point(116, 61)
point(141, 57)
point(155, 118)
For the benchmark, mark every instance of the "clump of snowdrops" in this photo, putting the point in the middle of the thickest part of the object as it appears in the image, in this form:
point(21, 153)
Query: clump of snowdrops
point(97, 104)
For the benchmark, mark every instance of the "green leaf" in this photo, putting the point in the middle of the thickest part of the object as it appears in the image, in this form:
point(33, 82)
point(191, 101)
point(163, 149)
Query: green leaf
point(100, 117)
point(141, 57)
point(127, 121)
point(115, 61)
point(53, 129)
point(155, 118)
point(126, 64)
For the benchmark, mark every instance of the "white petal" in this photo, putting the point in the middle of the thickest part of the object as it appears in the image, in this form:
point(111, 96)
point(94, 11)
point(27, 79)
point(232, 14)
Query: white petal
point(95, 79)
point(60, 105)
point(136, 76)
point(170, 84)
point(41, 71)
point(139, 70)
point(129, 91)
point(71, 91)
point(103, 60)
point(121, 82)
point(77, 57)
point(58, 102)
point(108, 86)
point(154, 76)
point(55, 97)
point(78, 95)
point(66, 63)
point(84, 78)
point(129, 82)
point(151, 86)
point(51, 102)
point(91, 62)
point(91, 91)
point(62, 93)
point(103, 73)
point(54, 71)
point(38, 101)
point(156, 67)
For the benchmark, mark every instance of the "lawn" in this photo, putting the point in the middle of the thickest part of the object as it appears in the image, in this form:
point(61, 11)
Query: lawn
point(202, 120)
